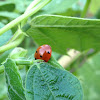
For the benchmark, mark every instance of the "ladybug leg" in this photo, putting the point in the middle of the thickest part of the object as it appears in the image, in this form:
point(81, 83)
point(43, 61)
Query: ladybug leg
point(35, 58)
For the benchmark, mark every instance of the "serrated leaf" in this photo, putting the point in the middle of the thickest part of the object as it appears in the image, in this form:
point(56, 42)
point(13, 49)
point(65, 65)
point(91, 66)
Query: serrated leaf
point(7, 6)
point(14, 81)
point(45, 82)
point(6, 36)
point(62, 32)
point(89, 74)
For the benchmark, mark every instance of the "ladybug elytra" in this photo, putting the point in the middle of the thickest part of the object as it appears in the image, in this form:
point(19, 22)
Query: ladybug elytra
point(43, 52)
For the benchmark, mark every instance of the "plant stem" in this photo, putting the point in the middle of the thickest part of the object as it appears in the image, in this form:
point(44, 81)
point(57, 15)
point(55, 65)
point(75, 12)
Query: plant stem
point(12, 44)
point(21, 62)
point(23, 16)
point(14, 37)
point(26, 62)
point(18, 36)
point(83, 14)
point(32, 5)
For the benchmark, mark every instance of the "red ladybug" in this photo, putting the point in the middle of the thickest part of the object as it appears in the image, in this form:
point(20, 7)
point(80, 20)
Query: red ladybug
point(43, 52)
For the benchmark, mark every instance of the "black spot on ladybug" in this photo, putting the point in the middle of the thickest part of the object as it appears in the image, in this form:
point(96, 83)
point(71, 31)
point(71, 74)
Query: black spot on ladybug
point(40, 56)
point(48, 52)
point(36, 51)
point(35, 58)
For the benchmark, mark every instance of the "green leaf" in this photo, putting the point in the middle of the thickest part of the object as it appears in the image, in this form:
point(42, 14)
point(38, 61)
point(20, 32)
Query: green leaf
point(7, 6)
point(14, 81)
point(45, 82)
point(58, 6)
point(62, 32)
point(89, 74)
point(3, 88)
point(95, 6)
point(54, 62)
point(21, 5)
point(5, 37)
point(4, 56)
point(5, 14)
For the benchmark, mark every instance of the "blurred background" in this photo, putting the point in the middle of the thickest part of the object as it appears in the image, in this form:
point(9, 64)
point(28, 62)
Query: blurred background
point(85, 66)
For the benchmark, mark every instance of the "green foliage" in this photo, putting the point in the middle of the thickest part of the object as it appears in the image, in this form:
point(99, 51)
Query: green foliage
point(50, 80)
point(18, 53)
point(58, 6)
point(4, 56)
point(21, 5)
point(14, 81)
point(3, 88)
point(95, 5)
point(5, 14)
point(65, 32)
point(7, 6)
point(89, 74)
point(5, 37)
point(44, 81)
point(53, 62)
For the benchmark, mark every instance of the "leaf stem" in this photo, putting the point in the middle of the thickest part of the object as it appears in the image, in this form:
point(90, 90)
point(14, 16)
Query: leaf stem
point(17, 33)
point(21, 62)
point(83, 14)
point(14, 37)
point(19, 36)
point(23, 16)
point(32, 5)
point(12, 44)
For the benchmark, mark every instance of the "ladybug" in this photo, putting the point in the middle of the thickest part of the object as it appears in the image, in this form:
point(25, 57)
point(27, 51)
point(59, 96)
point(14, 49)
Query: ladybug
point(43, 52)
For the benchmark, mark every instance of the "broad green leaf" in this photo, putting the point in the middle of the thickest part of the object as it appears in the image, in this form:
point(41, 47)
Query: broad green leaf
point(21, 5)
point(7, 6)
point(54, 63)
point(58, 6)
point(4, 56)
point(71, 12)
point(45, 82)
point(14, 81)
point(5, 37)
point(5, 14)
point(62, 32)
point(3, 88)
point(89, 75)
